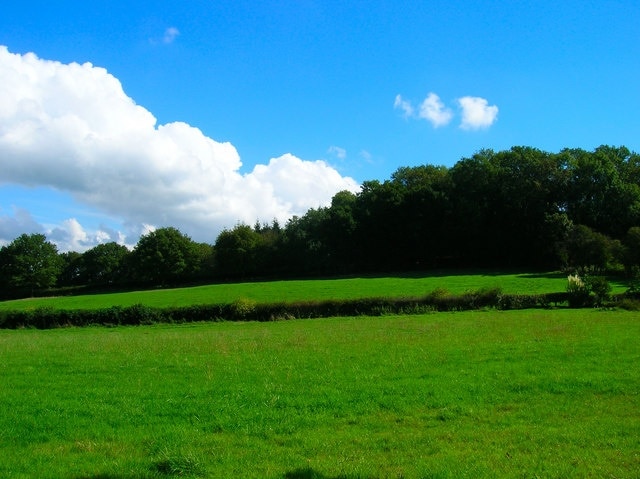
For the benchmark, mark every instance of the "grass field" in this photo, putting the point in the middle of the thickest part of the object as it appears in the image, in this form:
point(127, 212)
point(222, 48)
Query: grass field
point(549, 393)
point(306, 290)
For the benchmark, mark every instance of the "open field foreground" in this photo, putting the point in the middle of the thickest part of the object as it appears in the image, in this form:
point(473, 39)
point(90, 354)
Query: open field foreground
point(316, 290)
point(534, 393)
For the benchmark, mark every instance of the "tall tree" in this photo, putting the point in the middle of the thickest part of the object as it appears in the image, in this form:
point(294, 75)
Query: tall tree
point(72, 273)
point(603, 192)
point(529, 185)
point(502, 202)
point(379, 233)
point(587, 250)
point(164, 257)
point(476, 238)
point(105, 264)
point(632, 251)
point(303, 244)
point(30, 263)
point(424, 214)
point(338, 231)
point(236, 252)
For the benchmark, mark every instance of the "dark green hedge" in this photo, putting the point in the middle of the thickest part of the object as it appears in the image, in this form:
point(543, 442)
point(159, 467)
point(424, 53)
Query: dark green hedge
point(248, 310)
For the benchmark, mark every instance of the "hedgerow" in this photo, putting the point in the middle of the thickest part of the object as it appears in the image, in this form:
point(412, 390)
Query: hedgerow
point(248, 310)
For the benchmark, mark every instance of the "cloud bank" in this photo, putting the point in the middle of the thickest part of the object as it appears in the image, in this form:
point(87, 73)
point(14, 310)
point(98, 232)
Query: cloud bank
point(71, 127)
point(475, 111)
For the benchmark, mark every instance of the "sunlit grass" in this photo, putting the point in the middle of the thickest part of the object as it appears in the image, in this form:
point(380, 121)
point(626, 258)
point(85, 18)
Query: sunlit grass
point(477, 394)
point(306, 290)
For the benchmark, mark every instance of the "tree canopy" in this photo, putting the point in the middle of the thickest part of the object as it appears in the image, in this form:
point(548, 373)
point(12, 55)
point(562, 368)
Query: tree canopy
point(521, 207)
point(164, 256)
point(30, 263)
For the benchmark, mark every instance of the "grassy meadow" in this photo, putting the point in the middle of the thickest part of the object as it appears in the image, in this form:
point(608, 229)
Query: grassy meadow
point(311, 290)
point(482, 394)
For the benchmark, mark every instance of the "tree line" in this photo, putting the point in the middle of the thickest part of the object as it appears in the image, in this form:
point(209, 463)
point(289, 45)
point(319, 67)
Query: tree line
point(518, 208)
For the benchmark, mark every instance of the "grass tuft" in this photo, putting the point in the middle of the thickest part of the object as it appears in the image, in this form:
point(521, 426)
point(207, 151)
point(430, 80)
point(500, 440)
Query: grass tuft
point(179, 465)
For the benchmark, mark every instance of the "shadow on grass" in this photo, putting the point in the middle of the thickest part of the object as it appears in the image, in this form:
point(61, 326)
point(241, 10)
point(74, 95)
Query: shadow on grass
point(308, 473)
point(549, 275)
point(442, 273)
point(107, 476)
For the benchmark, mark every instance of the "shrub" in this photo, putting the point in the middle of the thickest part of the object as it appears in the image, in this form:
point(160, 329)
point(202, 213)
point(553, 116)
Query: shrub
point(243, 308)
point(578, 292)
point(587, 291)
point(601, 289)
point(634, 285)
point(629, 304)
point(482, 298)
point(437, 295)
point(556, 298)
point(140, 314)
point(521, 301)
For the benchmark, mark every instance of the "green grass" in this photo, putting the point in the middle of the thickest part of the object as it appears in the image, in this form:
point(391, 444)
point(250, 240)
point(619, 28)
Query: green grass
point(450, 395)
point(307, 290)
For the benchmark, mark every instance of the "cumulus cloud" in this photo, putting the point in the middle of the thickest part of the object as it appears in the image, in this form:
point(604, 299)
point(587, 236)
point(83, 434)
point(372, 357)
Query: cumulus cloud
point(70, 235)
point(433, 110)
point(73, 128)
point(476, 113)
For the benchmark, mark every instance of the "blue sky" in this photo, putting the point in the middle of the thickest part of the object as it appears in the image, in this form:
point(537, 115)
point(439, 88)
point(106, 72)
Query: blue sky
point(133, 115)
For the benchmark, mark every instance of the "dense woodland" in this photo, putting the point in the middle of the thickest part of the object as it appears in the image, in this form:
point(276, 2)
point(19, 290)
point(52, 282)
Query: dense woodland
point(521, 208)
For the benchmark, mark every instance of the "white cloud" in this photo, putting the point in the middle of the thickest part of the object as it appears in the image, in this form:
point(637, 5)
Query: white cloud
point(296, 182)
point(73, 128)
point(403, 105)
point(433, 110)
point(340, 153)
point(476, 113)
point(170, 34)
point(70, 235)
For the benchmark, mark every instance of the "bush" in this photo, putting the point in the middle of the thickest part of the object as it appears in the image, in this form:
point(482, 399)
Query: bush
point(556, 298)
point(437, 295)
point(601, 289)
point(629, 304)
point(578, 290)
point(522, 301)
point(140, 314)
point(588, 291)
point(243, 308)
point(482, 298)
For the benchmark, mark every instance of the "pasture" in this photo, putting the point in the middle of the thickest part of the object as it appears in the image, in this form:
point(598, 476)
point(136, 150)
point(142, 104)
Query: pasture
point(308, 290)
point(534, 393)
